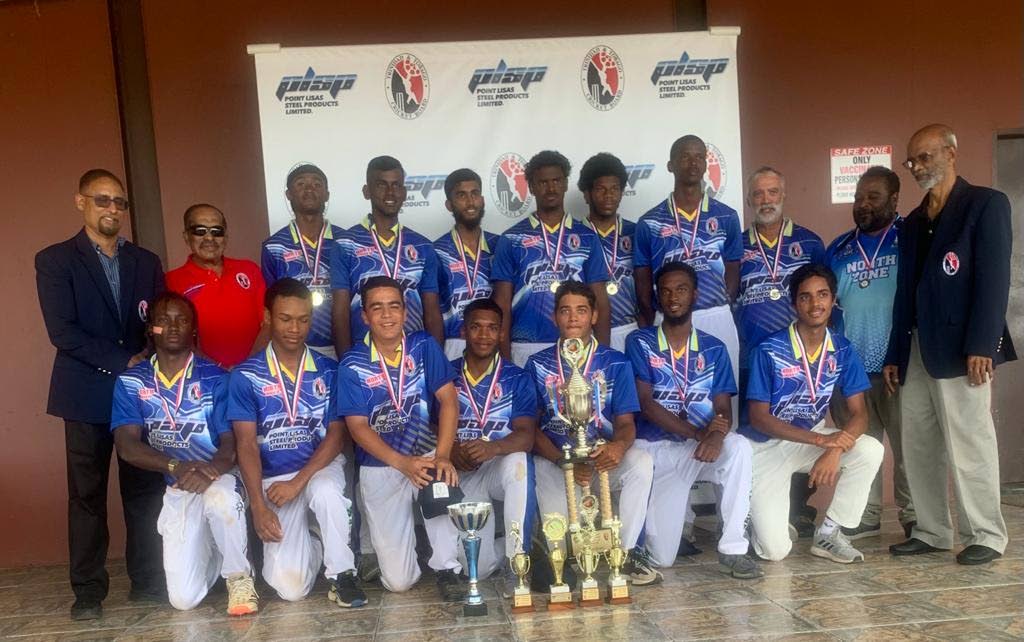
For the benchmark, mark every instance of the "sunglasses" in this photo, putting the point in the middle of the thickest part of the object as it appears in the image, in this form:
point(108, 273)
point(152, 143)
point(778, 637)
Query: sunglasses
point(104, 201)
point(216, 231)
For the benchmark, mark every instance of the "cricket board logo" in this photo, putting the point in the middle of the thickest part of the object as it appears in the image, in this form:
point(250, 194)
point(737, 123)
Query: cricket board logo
point(717, 174)
point(951, 263)
point(195, 393)
point(407, 86)
point(508, 185)
point(602, 77)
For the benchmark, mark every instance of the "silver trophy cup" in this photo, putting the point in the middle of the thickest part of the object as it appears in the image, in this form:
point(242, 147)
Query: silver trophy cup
point(469, 517)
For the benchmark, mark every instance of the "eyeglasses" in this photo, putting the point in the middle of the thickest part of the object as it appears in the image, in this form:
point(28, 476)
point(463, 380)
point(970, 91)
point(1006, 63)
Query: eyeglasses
point(216, 231)
point(922, 159)
point(104, 201)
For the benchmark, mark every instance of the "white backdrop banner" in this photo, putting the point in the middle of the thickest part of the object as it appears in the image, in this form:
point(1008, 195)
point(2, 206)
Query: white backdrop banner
point(490, 106)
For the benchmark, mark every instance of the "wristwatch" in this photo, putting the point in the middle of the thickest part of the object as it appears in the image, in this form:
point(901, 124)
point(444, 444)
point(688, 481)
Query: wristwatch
point(172, 465)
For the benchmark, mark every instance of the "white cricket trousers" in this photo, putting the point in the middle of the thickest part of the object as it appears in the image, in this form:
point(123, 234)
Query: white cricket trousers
point(389, 499)
point(290, 566)
point(204, 536)
point(776, 460)
point(523, 351)
point(675, 471)
point(508, 479)
point(632, 477)
point(619, 334)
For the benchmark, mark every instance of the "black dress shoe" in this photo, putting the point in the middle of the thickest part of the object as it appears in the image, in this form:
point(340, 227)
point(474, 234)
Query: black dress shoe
point(977, 554)
point(914, 546)
point(86, 610)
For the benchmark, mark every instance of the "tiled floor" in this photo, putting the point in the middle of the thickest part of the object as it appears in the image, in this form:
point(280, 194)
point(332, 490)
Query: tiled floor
point(802, 598)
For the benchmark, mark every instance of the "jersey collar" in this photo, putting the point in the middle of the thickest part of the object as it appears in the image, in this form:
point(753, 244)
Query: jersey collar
point(483, 247)
point(787, 230)
point(294, 229)
point(663, 345)
point(173, 380)
point(704, 204)
point(373, 351)
point(829, 345)
point(309, 366)
point(476, 381)
point(535, 221)
point(394, 231)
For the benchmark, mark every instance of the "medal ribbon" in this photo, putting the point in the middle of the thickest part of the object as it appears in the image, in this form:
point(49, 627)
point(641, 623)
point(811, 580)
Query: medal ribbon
point(881, 240)
point(610, 264)
point(396, 397)
point(383, 257)
point(558, 247)
point(679, 227)
point(470, 279)
point(314, 267)
point(481, 417)
point(773, 269)
point(178, 396)
point(681, 389)
point(292, 410)
point(813, 384)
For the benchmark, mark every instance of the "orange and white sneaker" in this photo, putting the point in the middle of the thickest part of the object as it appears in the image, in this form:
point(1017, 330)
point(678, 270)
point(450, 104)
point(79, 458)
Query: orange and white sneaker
point(242, 597)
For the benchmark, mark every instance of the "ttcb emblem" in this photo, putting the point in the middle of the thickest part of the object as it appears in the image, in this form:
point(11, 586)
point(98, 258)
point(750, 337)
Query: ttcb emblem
point(508, 185)
point(407, 86)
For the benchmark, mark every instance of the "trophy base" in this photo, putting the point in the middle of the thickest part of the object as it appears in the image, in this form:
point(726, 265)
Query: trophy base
point(522, 601)
point(590, 593)
point(618, 592)
point(474, 610)
point(560, 598)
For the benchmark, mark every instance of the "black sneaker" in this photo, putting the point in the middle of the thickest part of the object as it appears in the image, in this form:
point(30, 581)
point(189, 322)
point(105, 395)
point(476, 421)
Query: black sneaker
point(804, 527)
point(449, 586)
point(640, 568)
point(83, 610)
point(344, 592)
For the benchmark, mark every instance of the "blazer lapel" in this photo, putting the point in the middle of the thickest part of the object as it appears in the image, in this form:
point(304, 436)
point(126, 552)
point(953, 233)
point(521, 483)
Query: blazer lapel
point(87, 255)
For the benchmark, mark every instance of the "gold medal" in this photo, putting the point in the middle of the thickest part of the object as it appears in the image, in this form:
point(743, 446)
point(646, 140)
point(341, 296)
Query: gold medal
point(774, 294)
point(318, 298)
point(612, 287)
point(555, 285)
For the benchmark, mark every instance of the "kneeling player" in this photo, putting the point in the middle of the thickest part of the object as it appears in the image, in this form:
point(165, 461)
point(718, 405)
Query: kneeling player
point(290, 453)
point(386, 388)
point(685, 384)
point(630, 469)
point(168, 416)
point(497, 422)
point(793, 375)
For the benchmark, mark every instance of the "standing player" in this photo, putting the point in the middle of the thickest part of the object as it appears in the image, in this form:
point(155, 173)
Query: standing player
point(694, 228)
point(463, 256)
point(290, 453)
point(630, 469)
point(865, 262)
point(168, 416)
point(387, 387)
point(497, 423)
point(380, 245)
point(793, 375)
point(602, 180)
point(537, 255)
point(685, 384)
point(303, 249)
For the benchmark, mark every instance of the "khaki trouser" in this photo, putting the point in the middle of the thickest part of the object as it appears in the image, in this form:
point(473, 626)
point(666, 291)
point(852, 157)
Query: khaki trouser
point(947, 425)
point(883, 419)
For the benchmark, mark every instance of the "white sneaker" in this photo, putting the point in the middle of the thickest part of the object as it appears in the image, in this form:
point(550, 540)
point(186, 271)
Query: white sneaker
point(242, 597)
point(835, 547)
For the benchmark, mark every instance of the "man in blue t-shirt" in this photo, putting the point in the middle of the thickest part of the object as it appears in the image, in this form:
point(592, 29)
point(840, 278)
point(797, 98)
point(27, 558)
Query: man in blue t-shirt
point(168, 417)
point(536, 255)
point(865, 262)
point(684, 381)
point(630, 469)
point(497, 423)
point(602, 181)
point(290, 449)
point(381, 245)
point(463, 256)
point(794, 373)
point(388, 386)
point(302, 250)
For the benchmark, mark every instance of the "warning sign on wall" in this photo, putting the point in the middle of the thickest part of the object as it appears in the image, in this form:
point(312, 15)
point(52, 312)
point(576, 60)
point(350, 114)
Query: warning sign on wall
point(848, 163)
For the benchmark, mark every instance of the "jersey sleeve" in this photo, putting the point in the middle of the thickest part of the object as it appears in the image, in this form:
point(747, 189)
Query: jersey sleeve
point(268, 265)
point(624, 398)
point(353, 399)
point(444, 281)
point(428, 282)
point(818, 250)
point(641, 246)
point(594, 268)
point(723, 381)
point(853, 379)
point(125, 409)
point(219, 423)
point(638, 359)
point(733, 249)
point(339, 265)
point(762, 375)
point(436, 368)
point(242, 405)
point(503, 267)
point(524, 396)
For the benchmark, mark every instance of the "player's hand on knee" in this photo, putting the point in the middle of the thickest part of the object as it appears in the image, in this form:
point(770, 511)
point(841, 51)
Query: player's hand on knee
point(479, 451)
point(445, 471)
point(267, 526)
point(417, 470)
point(825, 471)
point(281, 492)
point(710, 447)
point(460, 460)
point(839, 439)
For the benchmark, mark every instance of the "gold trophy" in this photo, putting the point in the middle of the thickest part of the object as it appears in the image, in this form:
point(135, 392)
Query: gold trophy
point(560, 597)
point(522, 600)
point(577, 402)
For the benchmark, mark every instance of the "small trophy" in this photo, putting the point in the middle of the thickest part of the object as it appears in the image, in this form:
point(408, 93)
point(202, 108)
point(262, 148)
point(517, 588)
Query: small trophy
point(470, 517)
point(618, 589)
point(588, 558)
point(554, 531)
point(522, 600)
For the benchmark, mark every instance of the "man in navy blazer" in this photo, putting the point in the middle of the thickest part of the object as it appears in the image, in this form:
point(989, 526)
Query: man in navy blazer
point(949, 332)
point(94, 290)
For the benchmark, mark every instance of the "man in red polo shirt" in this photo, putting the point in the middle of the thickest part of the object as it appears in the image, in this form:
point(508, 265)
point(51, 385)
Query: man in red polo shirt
point(227, 293)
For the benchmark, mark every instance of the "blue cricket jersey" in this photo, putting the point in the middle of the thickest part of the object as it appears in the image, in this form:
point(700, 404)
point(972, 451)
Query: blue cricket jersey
point(461, 278)
point(617, 246)
point(510, 397)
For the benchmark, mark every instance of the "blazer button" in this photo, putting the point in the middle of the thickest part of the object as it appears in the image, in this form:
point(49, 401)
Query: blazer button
point(120, 342)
